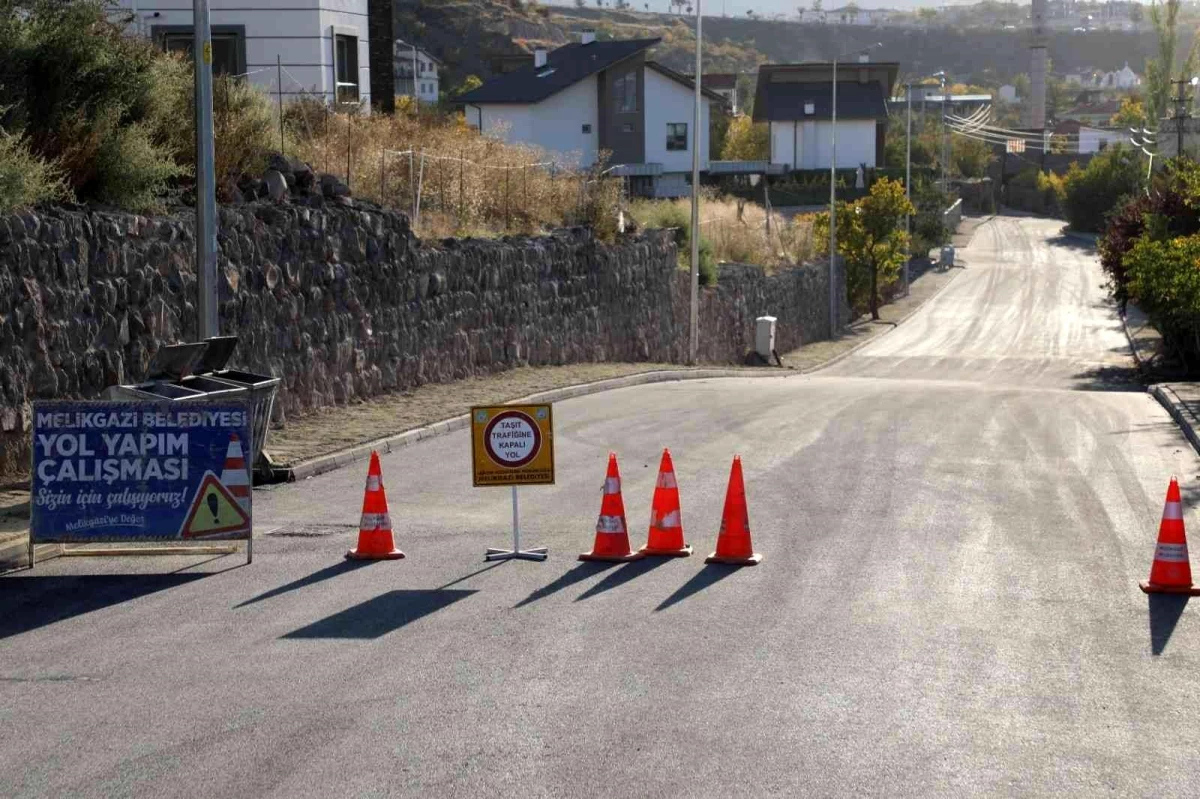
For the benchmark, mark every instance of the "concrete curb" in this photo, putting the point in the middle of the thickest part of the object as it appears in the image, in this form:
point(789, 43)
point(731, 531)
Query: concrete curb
point(1169, 400)
point(1137, 356)
point(336, 460)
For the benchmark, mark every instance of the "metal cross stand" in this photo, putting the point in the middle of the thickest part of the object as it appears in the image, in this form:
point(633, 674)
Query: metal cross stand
point(516, 553)
point(513, 445)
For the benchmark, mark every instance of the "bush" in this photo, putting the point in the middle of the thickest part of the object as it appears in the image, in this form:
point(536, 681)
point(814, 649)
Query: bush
point(1164, 279)
point(26, 179)
point(131, 171)
point(1090, 194)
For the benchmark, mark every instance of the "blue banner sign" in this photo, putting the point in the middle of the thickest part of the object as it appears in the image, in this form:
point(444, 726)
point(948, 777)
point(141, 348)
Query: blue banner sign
point(140, 471)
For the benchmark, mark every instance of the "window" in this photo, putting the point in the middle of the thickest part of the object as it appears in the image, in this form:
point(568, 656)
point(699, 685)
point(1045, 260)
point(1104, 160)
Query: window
point(587, 128)
point(677, 136)
point(625, 93)
point(345, 61)
point(627, 128)
point(228, 45)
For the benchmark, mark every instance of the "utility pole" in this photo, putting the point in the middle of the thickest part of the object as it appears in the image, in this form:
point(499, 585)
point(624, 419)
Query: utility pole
point(908, 181)
point(1181, 111)
point(945, 139)
point(694, 310)
point(206, 197)
point(833, 304)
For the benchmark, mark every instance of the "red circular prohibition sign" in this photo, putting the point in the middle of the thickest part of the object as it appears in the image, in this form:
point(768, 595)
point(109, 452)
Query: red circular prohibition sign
point(524, 417)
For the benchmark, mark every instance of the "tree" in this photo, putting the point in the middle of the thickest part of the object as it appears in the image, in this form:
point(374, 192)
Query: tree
point(800, 14)
point(746, 141)
point(1159, 70)
point(872, 240)
point(469, 84)
point(1136, 14)
point(1021, 85)
point(744, 88)
point(851, 11)
point(970, 157)
point(1132, 114)
point(816, 6)
point(927, 14)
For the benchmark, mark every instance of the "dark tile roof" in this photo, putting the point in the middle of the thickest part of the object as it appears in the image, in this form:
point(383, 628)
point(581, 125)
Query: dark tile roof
point(684, 80)
point(565, 67)
point(785, 101)
point(719, 80)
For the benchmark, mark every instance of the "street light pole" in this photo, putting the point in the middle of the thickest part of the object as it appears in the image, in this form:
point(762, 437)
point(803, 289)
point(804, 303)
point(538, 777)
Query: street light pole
point(908, 182)
point(206, 197)
point(945, 138)
point(833, 309)
point(694, 307)
point(415, 98)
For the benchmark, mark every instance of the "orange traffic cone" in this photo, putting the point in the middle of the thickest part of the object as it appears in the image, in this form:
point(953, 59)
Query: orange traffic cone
point(1171, 573)
point(666, 525)
point(612, 534)
point(375, 529)
point(733, 542)
point(233, 474)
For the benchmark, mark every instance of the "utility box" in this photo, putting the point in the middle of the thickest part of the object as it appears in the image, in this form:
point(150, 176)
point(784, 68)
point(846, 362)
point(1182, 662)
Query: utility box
point(947, 255)
point(764, 337)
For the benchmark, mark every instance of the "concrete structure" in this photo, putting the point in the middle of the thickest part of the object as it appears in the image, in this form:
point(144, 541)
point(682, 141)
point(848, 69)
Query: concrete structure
point(1008, 93)
point(323, 47)
point(1037, 67)
point(591, 97)
point(795, 100)
point(426, 81)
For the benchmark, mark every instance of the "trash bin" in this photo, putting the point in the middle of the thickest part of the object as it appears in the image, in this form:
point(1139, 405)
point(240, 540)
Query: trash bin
point(947, 258)
point(260, 389)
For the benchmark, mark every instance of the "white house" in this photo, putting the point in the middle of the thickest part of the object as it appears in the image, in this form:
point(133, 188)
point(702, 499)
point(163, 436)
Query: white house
point(795, 100)
point(1008, 93)
point(590, 97)
point(318, 47)
point(413, 61)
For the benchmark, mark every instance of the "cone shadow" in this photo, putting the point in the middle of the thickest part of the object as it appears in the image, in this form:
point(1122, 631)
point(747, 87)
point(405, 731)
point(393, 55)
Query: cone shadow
point(627, 572)
point(711, 574)
point(1165, 610)
point(578, 574)
point(329, 572)
point(35, 601)
point(384, 614)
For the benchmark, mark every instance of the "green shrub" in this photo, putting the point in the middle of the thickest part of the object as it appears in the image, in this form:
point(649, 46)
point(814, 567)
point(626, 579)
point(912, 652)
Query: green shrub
point(132, 170)
point(1163, 278)
point(26, 179)
point(1090, 194)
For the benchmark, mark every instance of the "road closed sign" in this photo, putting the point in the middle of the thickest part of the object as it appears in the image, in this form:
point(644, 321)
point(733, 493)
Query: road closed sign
point(512, 445)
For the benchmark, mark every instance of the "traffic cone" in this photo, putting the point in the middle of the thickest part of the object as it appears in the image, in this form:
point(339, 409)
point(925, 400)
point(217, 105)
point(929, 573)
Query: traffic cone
point(733, 542)
point(233, 474)
point(666, 525)
point(375, 529)
point(1171, 572)
point(612, 534)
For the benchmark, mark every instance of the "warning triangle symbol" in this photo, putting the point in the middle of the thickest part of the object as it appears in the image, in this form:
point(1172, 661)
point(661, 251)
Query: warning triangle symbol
point(215, 512)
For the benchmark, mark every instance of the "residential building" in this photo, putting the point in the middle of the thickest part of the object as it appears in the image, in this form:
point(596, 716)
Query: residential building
point(795, 100)
point(1096, 114)
point(1075, 137)
point(1008, 93)
point(414, 66)
point(590, 97)
point(318, 49)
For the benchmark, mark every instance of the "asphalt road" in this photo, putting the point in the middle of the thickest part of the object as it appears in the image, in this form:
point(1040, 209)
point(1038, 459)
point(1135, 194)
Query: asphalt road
point(954, 521)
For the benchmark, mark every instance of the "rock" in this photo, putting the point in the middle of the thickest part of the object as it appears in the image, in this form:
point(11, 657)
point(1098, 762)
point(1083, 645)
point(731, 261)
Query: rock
point(279, 163)
point(277, 188)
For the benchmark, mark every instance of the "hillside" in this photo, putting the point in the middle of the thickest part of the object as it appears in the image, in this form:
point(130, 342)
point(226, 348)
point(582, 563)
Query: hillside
point(467, 34)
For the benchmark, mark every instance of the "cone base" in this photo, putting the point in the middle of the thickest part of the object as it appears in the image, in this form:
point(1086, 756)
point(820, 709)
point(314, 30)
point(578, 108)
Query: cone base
point(1154, 588)
point(752, 560)
point(592, 556)
point(355, 554)
point(682, 552)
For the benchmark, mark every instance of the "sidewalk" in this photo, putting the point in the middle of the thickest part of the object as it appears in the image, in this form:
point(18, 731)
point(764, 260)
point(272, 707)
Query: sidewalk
point(334, 437)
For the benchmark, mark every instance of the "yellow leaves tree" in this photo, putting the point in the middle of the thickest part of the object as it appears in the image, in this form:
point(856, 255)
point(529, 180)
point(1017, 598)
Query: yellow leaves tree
point(746, 141)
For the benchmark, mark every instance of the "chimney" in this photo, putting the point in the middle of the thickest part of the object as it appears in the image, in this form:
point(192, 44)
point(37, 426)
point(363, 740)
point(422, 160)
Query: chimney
point(539, 57)
point(587, 37)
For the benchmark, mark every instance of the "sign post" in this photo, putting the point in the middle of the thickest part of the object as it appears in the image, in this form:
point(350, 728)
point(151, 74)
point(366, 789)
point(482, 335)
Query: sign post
point(513, 445)
point(145, 472)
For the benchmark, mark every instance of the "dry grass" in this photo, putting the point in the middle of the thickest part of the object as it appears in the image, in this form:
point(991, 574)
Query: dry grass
point(737, 232)
point(451, 180)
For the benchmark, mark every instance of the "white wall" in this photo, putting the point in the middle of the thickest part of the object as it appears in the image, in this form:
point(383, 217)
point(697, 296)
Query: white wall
point(670, 101)
point(855, 144)
point(555, 124)
point(298, 31)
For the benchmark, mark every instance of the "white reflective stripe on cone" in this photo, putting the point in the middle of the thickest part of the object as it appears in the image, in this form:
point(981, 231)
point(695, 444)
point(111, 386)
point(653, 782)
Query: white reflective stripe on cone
point(1172, 510)
point(670, 520)
point(234, 477)
point(610, 524)
point(375, 521)
point(235, 450)
point(1171, 553)
point(667, 480)
point(612, 485)
point(372, 482)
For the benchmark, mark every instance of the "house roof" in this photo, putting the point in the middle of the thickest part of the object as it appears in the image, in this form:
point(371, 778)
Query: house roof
point(719, 80)
point(565, 67)
point(784, 89)
point(685, 80)
point(405, 51)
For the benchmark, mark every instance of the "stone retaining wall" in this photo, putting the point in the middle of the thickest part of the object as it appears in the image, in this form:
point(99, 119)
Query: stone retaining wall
point(344, 303)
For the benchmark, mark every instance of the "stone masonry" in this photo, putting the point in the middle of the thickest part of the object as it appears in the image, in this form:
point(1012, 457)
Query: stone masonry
point(344, 303)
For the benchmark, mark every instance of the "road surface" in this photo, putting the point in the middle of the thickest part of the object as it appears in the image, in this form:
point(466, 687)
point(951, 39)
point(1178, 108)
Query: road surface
point(954, 521)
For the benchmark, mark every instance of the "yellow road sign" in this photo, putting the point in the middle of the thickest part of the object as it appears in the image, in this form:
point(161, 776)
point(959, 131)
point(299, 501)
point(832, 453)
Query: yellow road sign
point(215, 513)
point(512, 445)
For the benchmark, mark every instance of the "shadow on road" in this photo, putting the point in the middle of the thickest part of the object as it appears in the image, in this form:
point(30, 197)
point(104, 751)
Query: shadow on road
point(623, 575)
point(711, 574)
point(324, 574)
point(1072, 243)
point(1109, 378)
point(1165, 610)
point(33, 602)
point(384, 614)
point(580, 573)
point(466, 577)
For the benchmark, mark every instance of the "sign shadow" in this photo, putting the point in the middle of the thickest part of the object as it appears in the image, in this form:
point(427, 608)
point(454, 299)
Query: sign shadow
point(37, 601)
point(381, 615)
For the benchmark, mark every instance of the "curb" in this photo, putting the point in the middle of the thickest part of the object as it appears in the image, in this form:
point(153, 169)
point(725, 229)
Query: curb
point(387, 444)
point(1141, 364)
point(1169, 400)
